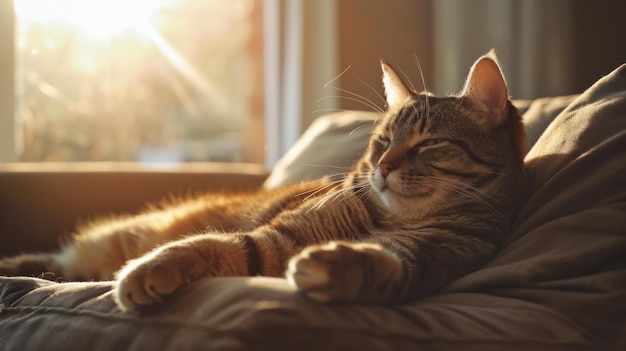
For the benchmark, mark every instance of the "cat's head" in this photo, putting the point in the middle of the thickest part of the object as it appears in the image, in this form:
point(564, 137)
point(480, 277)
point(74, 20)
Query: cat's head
point(427, 152)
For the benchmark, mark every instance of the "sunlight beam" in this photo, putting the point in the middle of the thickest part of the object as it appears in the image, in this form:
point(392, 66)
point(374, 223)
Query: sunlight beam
point(219, 102)
point(95, 19)
point(105, 19)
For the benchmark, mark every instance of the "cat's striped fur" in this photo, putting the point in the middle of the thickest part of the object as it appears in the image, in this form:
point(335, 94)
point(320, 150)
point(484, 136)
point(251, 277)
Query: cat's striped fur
point(429, 200)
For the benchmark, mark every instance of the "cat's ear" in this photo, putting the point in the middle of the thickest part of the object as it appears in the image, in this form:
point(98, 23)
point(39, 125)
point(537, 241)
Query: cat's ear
point(396, 92)
point(485, 86)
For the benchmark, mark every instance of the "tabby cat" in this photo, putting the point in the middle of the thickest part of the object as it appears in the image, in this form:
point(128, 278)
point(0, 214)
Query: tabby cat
point(428, 202)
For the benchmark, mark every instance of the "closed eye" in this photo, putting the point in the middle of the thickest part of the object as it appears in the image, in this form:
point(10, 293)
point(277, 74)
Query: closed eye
point(429, 143)
point(432, 142)
point(384, 138)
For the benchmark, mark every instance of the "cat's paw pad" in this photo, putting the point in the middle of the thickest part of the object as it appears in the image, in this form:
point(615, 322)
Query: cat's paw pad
point(147, 280)
point(338, 272)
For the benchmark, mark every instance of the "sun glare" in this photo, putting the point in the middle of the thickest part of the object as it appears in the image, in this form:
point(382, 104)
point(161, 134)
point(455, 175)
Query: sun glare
point(97, 19)
point(157, 74)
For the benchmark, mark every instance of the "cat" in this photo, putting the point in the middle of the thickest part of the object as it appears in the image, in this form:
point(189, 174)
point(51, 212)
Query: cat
point(428, 202)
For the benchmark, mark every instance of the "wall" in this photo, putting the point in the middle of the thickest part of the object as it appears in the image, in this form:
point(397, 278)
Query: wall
point(600, 37)
point(547, 48)
point(370, 30)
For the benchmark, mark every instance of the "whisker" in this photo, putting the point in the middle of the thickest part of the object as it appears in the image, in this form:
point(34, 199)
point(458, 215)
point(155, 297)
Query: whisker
point(495, 197)
point(464, 189)
point(338, 76)
point(320, 189)
point(363, 102)
point(337, 194)
point(347, 169)
point(359, 187)
point(372, 103)
point(419, 67)
point(363, 192)
point(358, 96)
point(335, 183)
point(353, 112)
point(330, 110)
point(410, 85)
point(407, 78)
point(362, 126)
point(499, 173)
point(313, 181)
point(374, 90)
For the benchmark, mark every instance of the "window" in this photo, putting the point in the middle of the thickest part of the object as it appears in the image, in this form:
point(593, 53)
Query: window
point(141, 80)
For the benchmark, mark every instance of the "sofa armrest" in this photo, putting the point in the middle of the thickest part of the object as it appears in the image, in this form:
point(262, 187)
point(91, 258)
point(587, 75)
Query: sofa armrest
point(41, 202)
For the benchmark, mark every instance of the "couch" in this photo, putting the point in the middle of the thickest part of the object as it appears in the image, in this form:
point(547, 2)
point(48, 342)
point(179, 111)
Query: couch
point(558, 281)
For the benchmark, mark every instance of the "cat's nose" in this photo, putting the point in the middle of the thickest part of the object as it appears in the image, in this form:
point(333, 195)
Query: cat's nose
point(386, 168)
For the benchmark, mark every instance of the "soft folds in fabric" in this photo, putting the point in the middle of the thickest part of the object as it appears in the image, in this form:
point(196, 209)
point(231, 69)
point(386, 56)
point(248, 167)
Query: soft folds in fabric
point(265, 314)
point(567, 249)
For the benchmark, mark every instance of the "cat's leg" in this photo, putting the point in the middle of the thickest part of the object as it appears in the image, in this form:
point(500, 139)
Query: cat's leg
point(147, 280)
point(95, 252)
point(40, 265)
point(86, 258)
point(347, 272)
point(99, 249)
point(387, 268)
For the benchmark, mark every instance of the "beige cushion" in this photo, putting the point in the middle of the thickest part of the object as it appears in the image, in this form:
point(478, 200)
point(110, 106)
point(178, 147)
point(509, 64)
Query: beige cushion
point(328, 148)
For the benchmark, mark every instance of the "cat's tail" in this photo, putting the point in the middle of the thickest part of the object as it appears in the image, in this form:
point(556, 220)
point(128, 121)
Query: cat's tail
point(41, 265)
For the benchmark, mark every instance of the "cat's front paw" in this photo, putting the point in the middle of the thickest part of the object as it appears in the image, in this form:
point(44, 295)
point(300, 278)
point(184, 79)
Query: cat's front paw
point(347, 272)
point(149, 279)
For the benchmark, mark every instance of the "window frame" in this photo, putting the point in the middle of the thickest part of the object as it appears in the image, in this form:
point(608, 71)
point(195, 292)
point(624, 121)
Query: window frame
point(8, 151)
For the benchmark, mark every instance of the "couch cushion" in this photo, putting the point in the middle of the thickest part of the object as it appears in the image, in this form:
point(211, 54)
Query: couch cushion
point(567, 249)
point(540, 113)
point(265, 314)
point(329, 147)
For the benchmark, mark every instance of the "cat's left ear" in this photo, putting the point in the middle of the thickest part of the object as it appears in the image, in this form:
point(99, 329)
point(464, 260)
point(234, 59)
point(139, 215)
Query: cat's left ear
point(485, 86)
point(396, 92)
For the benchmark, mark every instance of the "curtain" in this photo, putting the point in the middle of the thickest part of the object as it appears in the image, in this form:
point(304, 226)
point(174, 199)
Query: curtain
point(533, 39)
point(538, 42)
point(300, 58)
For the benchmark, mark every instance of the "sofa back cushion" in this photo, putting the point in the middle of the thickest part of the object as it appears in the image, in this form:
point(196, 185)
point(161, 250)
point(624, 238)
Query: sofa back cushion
point(567, 248)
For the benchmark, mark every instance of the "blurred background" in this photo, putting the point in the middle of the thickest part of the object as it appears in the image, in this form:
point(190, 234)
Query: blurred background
point(239, 80)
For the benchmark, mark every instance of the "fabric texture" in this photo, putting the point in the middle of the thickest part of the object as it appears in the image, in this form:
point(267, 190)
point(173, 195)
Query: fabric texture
point(567, 249)
point(265, 314)
point(558, 282)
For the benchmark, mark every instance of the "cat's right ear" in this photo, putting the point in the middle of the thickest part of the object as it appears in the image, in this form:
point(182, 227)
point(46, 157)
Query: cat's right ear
point(486, 86)
point(396, 92)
